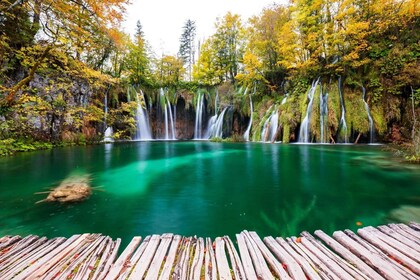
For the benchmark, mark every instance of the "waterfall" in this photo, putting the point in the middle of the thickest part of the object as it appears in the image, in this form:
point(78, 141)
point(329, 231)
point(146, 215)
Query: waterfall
point(215, 128)
point(323, 115)
point(108, 131)
point(248, 130)
point(369, 115)
point(304, 127)
point(168, 116)
point(343, 124)
point(142, 119)
point(108, 134)
point(269, 131)
point(198, 129)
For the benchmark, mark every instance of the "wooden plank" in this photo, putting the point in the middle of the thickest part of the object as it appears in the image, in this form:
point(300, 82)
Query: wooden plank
point(16, 259)
point(334, 262)
point(181, 267)
point(235, 260)
point(197, 262)
point(146, 258)
point(221, 260)
point(9, 242)
point(246, 258)
point(303, 251)
point(260, 265)
point(369, 256)
point(130, 264)
point(87, 268)
point(104, 255)
point(415, 226)
point(348, 255)
point(51, 258)
point(269, 257)
point(170, 259)
point(293, 267)
point(157, 261)
point(373, 238)
point(395, 243)
point(210, 267)
point(404, 271)
point(91, 257)
point(63, 269)
point(109, 259)
point(18, 247)
point(412, 244)
point(124, 258)
point(408, 230)
point(307, 265)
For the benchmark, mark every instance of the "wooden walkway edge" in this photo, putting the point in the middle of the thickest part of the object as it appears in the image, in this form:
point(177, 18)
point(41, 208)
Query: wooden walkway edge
point(387, 252)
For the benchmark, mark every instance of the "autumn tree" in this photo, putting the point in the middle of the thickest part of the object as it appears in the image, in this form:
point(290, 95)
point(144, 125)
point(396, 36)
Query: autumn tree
point(187, 46)
point(169, 70)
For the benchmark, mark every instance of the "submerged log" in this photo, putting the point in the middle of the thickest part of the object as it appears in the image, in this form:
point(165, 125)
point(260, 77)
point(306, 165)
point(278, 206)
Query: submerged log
point(72, 189)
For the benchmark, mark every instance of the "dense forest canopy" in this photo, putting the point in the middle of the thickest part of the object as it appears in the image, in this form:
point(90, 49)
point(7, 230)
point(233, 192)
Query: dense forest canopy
point(66, 66)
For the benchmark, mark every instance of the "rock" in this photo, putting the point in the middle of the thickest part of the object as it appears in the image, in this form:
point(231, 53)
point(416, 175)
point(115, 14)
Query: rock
point(72, 189)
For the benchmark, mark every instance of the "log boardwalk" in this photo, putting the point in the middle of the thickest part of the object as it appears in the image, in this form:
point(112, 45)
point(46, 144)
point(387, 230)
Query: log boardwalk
point(386, 252)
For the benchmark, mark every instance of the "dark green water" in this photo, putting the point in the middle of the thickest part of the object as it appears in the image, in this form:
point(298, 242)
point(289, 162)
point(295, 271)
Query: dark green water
point(206, 189)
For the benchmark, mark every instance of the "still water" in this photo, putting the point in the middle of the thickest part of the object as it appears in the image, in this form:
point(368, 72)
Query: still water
point(206, 189)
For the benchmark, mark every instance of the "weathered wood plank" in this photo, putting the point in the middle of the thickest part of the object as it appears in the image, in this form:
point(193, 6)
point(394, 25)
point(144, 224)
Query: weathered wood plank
point(292, 266)
point(260, 265)
point(375, 239)
point(8, 242)
point(348, 255)
point(221, 260)
point(109, 259)
point(404, 271)
point(408, 230)
point(246, 258)
point(369, 256)
point(92, 257)
point(146, 258)
point(130, 264)
point(156, 264)
point(403, 238)
point(197, 262)
point(307, 265)
point(409, 251)
point(124, 258)
point(269, 257)
point(18, 247)
point(334, 262)
point(170, 258)
point(210, 267)
point(235, 260)
point(181, 267)
point(50, 259)
point(303, 251)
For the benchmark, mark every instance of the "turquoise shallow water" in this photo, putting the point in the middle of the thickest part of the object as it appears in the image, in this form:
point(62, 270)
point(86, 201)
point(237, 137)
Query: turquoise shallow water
point(206, 189)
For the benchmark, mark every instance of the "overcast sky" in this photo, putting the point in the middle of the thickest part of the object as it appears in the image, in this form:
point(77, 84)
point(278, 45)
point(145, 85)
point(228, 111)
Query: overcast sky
point(162, 20)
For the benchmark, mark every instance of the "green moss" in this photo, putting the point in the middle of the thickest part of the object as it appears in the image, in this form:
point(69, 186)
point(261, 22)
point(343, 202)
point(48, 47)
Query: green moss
point(286, 133)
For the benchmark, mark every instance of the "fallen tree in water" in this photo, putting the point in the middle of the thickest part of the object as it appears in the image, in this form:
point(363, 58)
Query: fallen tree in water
point(75, 188)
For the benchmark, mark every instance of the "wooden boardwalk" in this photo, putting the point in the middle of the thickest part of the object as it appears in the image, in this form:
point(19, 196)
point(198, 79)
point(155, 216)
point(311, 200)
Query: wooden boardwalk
point(386, 252)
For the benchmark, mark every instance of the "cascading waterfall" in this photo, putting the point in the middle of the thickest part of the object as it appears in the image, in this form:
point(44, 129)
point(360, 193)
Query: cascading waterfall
point(168, 117)
point(215, 128)
point(323, 109)
point(108, 131)
point(371, 131)
point(142, 120)
point(269, 131)
point(198, 129)
point(304, 128)
point(248, 129)
point(343, 123)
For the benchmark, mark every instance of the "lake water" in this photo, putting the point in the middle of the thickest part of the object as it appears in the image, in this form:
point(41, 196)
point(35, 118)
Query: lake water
point(206, 189)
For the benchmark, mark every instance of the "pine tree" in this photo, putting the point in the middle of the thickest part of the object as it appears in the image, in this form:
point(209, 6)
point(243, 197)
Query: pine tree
point(187, 48)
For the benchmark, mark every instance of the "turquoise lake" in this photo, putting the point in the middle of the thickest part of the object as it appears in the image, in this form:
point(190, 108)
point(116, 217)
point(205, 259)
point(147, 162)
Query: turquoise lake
point(207, 189)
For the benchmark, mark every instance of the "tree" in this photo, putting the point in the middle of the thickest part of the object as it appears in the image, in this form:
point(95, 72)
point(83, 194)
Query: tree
point(187, 47)
point(169, 70)
point(137, 61)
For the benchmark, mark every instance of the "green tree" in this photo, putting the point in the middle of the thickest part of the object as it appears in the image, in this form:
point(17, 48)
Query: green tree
point(187, 46)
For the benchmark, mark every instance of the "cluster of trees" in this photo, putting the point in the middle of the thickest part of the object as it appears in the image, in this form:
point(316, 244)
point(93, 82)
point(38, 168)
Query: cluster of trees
point(62, 59)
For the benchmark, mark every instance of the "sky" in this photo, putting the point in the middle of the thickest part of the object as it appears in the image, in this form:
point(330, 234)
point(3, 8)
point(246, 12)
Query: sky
point(162, 20)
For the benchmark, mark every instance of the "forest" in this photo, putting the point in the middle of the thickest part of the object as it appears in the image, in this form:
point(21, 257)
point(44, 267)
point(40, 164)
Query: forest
point(348, 70)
